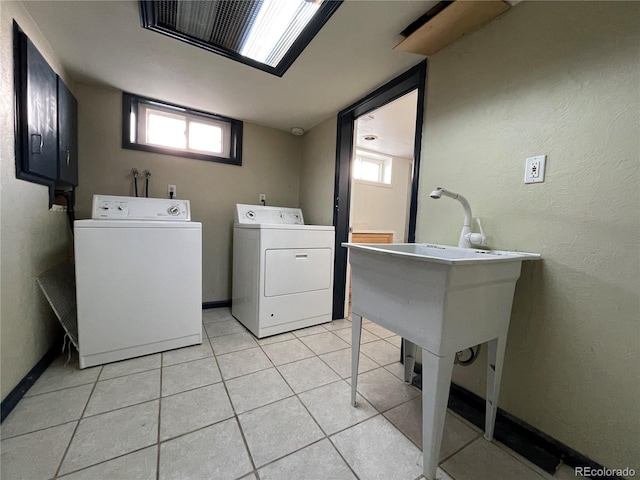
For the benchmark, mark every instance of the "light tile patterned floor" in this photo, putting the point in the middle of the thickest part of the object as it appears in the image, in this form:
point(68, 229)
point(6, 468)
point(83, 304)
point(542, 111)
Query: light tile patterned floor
point(237, 407)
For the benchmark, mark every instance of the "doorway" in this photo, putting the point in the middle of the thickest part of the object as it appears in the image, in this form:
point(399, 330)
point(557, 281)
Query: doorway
point(410, 81)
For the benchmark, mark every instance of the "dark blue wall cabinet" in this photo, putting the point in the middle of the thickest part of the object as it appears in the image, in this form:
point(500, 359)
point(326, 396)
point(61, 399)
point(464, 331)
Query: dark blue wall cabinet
point(46, 120)
point(67, 135)
point(42, 108)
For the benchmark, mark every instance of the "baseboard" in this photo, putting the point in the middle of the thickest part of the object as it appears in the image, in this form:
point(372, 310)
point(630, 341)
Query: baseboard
point(524, 439)
point(15, 395)
point(218, 304)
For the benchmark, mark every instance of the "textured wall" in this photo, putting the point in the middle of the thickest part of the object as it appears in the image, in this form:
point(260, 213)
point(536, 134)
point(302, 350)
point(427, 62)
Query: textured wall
point(270, 165)
point(561, 79)
point(33, 238)
point(317, 173)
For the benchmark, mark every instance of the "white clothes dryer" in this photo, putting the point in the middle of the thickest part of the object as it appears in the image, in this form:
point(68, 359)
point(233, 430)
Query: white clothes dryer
point(282, 270)
point(138, 265)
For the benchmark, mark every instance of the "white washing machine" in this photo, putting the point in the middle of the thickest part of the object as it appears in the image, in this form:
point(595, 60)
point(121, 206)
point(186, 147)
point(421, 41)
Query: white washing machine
point(282, 270)
point(138, 265)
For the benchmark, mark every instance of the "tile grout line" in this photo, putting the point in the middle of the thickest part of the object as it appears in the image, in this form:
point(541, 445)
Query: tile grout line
point(515, 455)
point(235, 416)
point(160, 416)
point(342, 457)
point(121, 408)
point(3, 438)
point(326, 436)
point(453, 454)
point(75, 430)
point(101, 462)
point(300, 401)
point(59, 389)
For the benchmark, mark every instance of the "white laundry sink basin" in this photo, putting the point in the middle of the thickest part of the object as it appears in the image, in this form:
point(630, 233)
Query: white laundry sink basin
point(442, 299)
point(429, 252)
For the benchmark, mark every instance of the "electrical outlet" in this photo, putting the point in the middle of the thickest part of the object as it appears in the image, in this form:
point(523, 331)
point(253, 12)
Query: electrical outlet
point(171, 191)
point(534, 169)
point(263, 198)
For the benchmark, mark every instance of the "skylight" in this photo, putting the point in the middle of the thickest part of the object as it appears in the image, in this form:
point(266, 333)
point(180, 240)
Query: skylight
point(266, 34)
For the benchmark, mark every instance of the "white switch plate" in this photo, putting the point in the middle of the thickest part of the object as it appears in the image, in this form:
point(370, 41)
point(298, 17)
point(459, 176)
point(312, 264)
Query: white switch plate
point(534, 169)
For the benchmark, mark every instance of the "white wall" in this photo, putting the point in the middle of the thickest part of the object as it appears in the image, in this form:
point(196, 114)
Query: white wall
point(270, 165)
point(32, 237)
point(384, 207)
point(561, 79)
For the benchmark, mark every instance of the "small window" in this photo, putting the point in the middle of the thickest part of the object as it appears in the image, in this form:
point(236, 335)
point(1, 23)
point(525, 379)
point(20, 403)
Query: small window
point(372, 167)
point(169, 129)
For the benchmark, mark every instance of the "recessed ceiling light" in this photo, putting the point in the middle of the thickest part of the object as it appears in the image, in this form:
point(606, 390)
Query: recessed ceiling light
point(370, 138)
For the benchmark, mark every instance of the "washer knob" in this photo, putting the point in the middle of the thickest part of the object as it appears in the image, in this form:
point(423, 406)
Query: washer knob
point(174, 210)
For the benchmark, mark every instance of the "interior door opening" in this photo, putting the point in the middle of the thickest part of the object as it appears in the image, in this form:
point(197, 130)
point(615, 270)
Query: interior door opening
point(410, 84)
point(382, 166)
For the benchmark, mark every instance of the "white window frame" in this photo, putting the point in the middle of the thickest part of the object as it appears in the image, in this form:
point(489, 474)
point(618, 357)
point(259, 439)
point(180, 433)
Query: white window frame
point(143, 128)
point(384, 161)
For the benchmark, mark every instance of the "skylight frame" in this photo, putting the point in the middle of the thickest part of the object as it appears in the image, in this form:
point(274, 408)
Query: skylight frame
point(149, 20)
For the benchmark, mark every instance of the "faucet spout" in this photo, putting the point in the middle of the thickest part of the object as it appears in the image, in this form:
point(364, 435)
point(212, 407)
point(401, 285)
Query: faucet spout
point(463, 241)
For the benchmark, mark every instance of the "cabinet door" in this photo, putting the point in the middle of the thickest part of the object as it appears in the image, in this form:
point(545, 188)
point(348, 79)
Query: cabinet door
point(42, 138)
point(67, 135)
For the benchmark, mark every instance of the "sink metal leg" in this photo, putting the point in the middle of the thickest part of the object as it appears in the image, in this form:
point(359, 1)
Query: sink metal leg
point(356, 328)
point(409, 351)
point(495, 359)
point(436, 380)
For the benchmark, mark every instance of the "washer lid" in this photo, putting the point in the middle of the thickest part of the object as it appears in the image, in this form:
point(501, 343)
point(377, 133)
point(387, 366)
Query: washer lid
point(260, 214)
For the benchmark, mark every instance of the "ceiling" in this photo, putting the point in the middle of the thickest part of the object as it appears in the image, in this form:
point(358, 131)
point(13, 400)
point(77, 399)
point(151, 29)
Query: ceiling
point(393, 125)
point(102, 42)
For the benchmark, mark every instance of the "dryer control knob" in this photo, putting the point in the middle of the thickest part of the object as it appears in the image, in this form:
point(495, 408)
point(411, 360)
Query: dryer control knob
point(174, 210)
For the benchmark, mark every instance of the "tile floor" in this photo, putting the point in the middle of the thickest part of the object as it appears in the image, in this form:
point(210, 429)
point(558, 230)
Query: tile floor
point(237, 407)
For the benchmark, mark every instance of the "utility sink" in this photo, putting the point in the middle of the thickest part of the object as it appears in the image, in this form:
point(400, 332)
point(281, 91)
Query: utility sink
point(442, 299)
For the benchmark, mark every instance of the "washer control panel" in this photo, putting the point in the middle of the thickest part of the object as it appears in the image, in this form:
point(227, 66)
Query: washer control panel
point(140, 208)
point(259, 214)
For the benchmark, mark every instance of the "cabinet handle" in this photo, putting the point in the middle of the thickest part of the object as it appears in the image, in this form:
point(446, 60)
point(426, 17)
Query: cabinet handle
point(36, 141)
point(68, 156)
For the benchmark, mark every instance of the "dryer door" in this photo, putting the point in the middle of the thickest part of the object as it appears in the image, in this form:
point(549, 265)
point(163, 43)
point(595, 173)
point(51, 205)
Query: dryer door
point(296, 270)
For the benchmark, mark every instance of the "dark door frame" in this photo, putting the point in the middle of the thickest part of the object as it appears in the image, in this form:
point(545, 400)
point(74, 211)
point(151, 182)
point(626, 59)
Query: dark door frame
point(412, 79)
